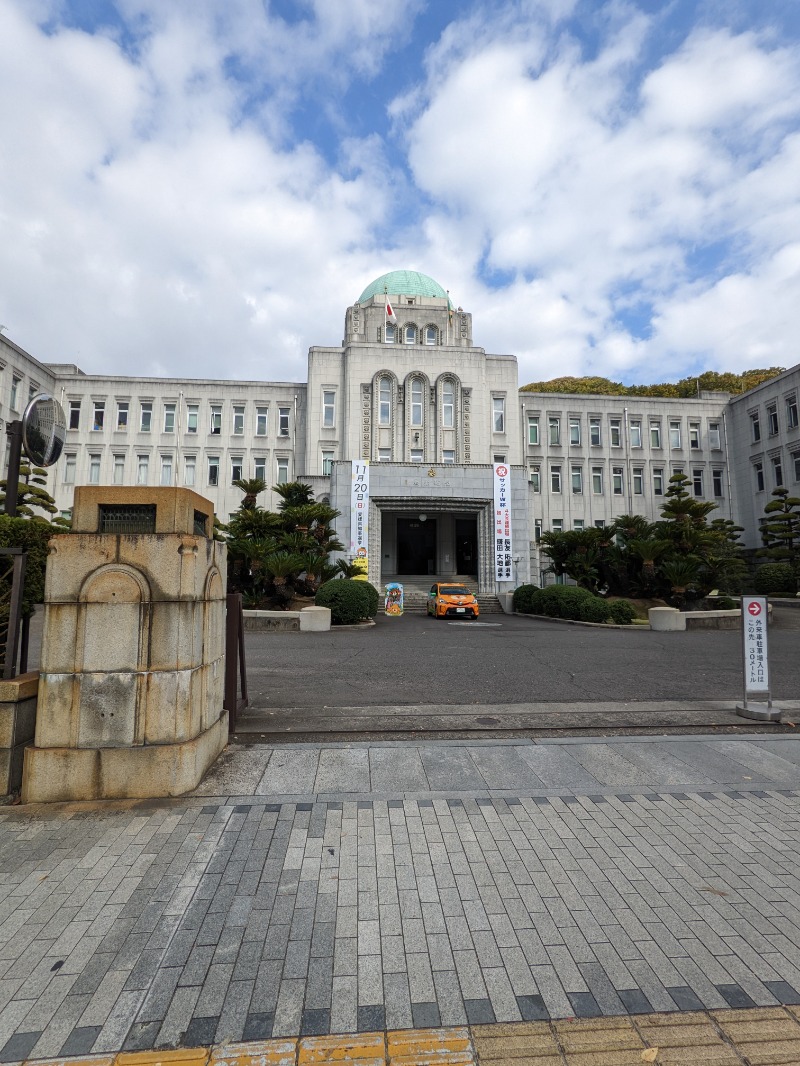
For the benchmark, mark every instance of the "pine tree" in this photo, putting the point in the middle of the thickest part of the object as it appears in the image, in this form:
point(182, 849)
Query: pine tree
point(780, 529)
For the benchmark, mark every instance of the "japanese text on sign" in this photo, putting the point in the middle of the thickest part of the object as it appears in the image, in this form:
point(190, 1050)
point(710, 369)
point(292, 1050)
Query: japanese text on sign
point(503, 555)
point(359, 514)
point(754, 622)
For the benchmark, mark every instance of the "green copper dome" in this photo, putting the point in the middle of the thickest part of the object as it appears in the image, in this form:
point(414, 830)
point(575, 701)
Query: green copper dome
point(403, 283)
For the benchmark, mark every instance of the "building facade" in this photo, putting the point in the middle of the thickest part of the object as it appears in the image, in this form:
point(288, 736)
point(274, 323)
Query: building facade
point(432, 413)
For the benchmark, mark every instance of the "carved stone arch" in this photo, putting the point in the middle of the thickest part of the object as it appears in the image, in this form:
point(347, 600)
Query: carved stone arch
point(416, 433)
point(410, 325)
point(213, 616)
point(394, 417)
point(437, 333)
point(114, 620)
point(448, 376)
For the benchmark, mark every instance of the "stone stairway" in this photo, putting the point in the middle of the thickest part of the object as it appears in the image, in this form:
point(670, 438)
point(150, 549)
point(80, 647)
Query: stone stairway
point(415, 592)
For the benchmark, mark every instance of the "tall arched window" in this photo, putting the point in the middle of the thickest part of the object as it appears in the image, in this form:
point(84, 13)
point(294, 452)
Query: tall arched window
point(410, 334)
point(416, 402)
point(390, 333)
point(431, 334)
point(448, 404)
point(385, 402)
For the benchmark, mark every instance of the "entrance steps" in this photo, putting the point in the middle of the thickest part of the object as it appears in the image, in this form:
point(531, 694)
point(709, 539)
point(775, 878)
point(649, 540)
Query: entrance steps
point(415, 592)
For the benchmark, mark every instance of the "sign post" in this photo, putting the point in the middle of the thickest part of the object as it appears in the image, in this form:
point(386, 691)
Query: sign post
point(756, 662)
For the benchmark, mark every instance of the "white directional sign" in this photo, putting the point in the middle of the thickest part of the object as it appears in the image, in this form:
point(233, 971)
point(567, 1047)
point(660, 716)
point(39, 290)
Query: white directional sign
point(754, 624)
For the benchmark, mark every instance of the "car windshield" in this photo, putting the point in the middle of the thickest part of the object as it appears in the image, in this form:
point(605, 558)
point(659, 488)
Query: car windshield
point(454, 590)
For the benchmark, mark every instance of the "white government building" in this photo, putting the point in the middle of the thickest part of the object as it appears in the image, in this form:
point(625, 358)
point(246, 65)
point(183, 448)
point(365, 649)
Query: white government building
point(433, 414)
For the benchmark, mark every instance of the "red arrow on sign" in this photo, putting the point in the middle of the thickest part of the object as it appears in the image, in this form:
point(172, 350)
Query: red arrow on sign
point(754, 608)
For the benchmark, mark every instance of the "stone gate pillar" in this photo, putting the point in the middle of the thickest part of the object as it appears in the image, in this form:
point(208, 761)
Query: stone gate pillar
point(132, 665)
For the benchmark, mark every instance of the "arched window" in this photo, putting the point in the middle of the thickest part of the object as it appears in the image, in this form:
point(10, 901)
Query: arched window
point(385, 402)
point(389, 333)
point(416, 402)
point(410, 334)
point(448, 404)
point(431, 334)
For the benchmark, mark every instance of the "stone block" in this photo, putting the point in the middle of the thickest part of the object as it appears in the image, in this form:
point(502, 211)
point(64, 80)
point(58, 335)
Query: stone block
point(56, 712)
point(176, 635)
point(315, 620)
point(175, 507)
point(72, 557)
point(17, 724)
point(107, 708)
point(172, 705)
point(666, 619)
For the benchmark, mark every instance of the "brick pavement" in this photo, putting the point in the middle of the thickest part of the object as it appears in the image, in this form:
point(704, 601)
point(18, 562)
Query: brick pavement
point(614, 879)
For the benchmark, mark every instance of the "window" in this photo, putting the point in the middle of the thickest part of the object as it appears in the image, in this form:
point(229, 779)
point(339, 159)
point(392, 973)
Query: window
point(410, 334)
point(557, 525)
point(791, 412)
point(416, 402)
point(575, 431)
point(658, 482)
point(796, 462)
point(576, 478)
point(70, 462)
point(636, 433)
point(599, 523)
point(597, 480)
point(655, 434)
point(216, 419)
point(555, 479)
point(122, 414)
point(33, 388)
point(390, 333)
point(448, 456)
point(283, 471)
point(617, 480)
point(554, 429)
point(716, 481)
point(697, 482)
point(213, 470)
point(578, 525)
point(166, 469)
point(236, 468)
point(755, 427)
point(777, 471)
point(142, 469)
point(169, 419)
point(448, 404)
point(637, 476)
point(694, 435)
point(431, 334)
point(384, 455)
point(146, 419)
point(533, 430)
point(283, 421)
point(261, 421)
point(537, 530)
point(384, 402)
point(328, 408)
point(674, 434)
point(327, 463)
point(714, 436)
point(498, 414)
point(99, 416)
point(772, 419)
point(190, 470)
point(192, 417)
point(615, 431)
point(758, 469)
point(15, 384)
point(260, 468)
point(416, 455)
point(535, 479)
point(595, 436)
point(498, 458)
point(119, 469)
point(238, 420)
point(74, 414)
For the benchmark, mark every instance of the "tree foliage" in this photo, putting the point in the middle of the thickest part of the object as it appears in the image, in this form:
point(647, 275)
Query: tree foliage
point(709, 381)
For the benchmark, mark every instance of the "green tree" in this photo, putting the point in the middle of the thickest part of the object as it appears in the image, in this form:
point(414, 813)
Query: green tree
point(780, 529)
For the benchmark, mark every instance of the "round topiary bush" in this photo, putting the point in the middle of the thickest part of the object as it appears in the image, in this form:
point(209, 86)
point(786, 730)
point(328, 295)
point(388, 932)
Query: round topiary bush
point(374, 598)
point(775, 579)
point(622, 613)
point(524, 597)
point(595, 610)
point(726, 603)
point(563, 601)
point(349, 600)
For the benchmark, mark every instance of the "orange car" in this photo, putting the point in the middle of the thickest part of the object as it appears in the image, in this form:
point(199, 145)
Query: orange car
point(452, 601)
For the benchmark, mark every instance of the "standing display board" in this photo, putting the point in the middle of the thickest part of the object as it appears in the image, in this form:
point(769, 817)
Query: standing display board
point(755, 662)
point(503, 558)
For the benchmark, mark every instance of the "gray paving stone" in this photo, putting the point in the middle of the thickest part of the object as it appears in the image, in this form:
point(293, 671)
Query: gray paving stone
point(397, 770)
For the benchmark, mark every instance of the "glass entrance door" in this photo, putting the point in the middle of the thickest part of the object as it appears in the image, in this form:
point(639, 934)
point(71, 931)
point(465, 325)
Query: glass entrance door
point(416, 546)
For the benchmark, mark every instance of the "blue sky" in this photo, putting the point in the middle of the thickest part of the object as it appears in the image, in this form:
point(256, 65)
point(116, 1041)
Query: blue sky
point(200, 187)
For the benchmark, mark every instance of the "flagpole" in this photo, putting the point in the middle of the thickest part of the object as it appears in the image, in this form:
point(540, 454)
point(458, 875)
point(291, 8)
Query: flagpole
point(385, 320)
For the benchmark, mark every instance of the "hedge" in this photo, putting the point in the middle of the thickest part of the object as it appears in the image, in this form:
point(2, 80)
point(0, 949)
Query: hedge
point(524, 596)
point(374, 598)
point(32, 534)
point(349, 600)
point(775, 579)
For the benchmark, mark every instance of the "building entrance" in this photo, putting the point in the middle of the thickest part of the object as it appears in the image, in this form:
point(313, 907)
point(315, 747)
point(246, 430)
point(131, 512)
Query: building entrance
point(416, 546)
point(467, 547)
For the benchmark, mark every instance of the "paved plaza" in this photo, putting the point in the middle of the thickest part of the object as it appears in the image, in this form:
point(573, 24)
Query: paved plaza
point(308, 890)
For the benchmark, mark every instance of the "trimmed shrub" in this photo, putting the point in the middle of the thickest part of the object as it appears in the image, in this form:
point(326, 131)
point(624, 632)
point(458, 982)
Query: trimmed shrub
point(775, 579)
point(563, 601)
point(32, 534)
point(725, 603)
point(374, 598)
point(595, 610)
point(622, 613)
point(349, 600)
point(524, 595)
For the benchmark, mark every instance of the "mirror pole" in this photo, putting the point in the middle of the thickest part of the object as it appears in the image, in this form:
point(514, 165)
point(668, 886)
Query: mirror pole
point(14, 433)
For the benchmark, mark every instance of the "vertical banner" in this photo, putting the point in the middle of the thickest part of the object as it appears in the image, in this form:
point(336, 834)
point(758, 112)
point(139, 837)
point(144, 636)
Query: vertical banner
point(754, 625)
point(502, 523)
point(359, 516)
